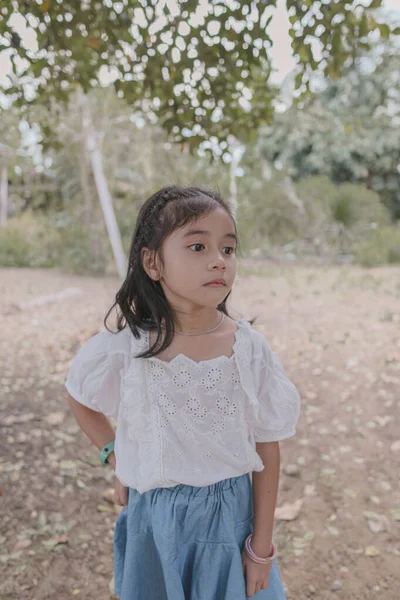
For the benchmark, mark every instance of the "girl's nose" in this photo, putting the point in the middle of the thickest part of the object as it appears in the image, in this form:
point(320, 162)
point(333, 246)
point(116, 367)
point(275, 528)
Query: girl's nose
point(219, 263)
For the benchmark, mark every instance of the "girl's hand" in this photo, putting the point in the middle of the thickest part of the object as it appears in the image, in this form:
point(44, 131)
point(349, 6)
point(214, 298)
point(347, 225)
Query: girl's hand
point(120, 493)
point(257, 575)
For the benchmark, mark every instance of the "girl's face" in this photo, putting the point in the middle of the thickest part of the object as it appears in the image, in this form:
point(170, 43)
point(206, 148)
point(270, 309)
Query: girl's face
point(198, 264)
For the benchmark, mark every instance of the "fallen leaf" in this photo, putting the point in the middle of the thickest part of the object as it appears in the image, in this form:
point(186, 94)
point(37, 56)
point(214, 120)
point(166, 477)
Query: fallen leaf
point(93, 461)
point(309, 490)
point(302, 542)
point(288, 512)
point(292, 470)
point(372, 551)
point(395, 512)
point(333, 530)
point(374, 499)
point(24, 418)
point(55, 541)
point(383, 421)
point(67, 464)
point(104, 508)
point(84, 537)
point(21, 545)
point(108, 495)
point(328, 472)
point(385, 485)
point(369, 514)
point(376, 522)
point(55, 418)
point(111, 586)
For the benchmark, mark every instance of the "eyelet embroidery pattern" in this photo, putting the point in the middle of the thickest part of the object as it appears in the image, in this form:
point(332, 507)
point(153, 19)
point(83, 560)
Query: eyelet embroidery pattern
point(166, 403)
point(198, 411)
point(218, 426)
point(210, 401)
point(139, 416)
point(182, 379)
point(235, 378)
point(213, 378)
point(156, 370)
point(188, 428)
point(226, 406)
point(164, 423)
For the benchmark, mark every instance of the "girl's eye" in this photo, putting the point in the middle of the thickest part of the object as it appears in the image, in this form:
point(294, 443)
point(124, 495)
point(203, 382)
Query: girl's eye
point(229, 250)
point(197, 247)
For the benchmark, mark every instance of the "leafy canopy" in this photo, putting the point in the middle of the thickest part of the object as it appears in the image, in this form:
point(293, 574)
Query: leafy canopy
point(202, 67)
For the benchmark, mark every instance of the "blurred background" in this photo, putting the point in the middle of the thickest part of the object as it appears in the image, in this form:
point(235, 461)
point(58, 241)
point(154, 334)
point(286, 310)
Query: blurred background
point(292, 111)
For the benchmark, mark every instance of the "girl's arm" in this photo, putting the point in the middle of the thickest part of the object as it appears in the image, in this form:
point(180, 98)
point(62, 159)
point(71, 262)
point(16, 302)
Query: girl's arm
point(265, 492)
point(94, 424)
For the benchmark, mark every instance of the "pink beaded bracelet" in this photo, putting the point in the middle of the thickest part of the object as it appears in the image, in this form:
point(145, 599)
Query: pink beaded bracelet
point(258, 559)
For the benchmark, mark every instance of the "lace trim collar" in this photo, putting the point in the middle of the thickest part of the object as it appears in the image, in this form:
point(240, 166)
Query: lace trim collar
point(240, 335)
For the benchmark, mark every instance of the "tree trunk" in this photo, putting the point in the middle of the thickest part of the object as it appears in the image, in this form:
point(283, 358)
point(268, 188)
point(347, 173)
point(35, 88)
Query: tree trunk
point(91, 143)
point(236, 153)
point(3, 197)
point(107, 206)
point(89, 214)
point(292, 194)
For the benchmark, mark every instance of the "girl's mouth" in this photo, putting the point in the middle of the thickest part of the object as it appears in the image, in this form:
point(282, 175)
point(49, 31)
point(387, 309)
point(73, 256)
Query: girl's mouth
point(216, 283)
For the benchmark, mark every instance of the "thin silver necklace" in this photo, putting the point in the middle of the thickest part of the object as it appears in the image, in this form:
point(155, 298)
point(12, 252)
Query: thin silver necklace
point(202, 332)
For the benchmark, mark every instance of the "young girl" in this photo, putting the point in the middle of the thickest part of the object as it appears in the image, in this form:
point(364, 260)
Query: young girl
point(201, 400)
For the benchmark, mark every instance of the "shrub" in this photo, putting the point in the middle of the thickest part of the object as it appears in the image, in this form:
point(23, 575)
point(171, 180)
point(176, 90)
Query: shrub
point(380, 248)
point(24, 242)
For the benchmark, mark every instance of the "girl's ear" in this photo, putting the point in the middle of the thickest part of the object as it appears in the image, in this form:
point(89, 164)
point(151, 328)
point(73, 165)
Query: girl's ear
point(149, 261)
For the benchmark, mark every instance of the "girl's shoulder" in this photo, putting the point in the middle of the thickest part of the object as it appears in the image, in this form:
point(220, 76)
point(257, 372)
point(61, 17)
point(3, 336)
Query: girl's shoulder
point(111, 343)
point(256, 338)
point(253, 346)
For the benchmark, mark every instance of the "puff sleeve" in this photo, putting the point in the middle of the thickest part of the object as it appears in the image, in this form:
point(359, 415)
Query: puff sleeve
point(279, 401)
point(95, 373)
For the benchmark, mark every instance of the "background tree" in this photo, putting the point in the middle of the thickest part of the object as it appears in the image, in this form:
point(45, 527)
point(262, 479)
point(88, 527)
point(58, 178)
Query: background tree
point(349, 131)
point(201, 70)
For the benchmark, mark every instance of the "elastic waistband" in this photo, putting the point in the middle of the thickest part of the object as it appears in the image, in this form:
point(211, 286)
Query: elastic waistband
point(207, 490)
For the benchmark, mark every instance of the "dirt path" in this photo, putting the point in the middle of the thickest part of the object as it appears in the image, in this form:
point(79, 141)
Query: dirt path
point(337, 331)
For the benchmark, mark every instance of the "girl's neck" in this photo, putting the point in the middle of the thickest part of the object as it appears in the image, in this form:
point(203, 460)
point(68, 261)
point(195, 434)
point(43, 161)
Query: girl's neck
point(197, 321)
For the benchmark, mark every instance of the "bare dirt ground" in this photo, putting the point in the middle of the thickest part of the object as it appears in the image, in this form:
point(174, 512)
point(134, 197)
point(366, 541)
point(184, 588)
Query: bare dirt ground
point(337, 331)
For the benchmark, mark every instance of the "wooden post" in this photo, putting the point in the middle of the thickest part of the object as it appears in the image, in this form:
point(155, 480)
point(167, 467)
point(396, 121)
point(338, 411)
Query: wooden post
point(92, 147)
point(3, 197)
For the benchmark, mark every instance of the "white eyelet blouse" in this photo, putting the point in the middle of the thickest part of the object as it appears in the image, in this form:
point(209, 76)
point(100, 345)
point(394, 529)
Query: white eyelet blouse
point(186, 422)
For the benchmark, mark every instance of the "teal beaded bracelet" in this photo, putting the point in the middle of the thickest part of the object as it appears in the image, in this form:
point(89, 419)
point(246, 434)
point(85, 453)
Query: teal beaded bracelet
point(106, 451)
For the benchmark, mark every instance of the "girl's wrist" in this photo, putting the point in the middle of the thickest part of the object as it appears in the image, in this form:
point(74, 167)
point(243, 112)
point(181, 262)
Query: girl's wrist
point(111, 460)
point(261, 546)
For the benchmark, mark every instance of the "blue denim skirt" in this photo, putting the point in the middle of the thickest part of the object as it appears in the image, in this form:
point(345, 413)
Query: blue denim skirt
point(186, 542)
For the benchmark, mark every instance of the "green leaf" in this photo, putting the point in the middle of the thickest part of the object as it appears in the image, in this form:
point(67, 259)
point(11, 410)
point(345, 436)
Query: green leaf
point(336, 42)
point(364, 29)
point(385, 30)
